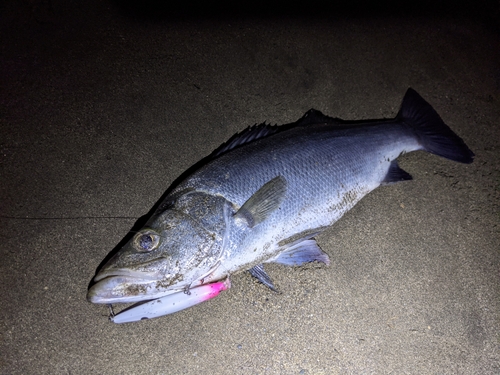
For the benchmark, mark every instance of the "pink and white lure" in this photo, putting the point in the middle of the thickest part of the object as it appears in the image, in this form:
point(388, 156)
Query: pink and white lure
point(171, 303)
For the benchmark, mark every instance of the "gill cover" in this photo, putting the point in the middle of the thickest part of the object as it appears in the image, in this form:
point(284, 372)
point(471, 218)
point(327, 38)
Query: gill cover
point(189, 233)
point(181, 244)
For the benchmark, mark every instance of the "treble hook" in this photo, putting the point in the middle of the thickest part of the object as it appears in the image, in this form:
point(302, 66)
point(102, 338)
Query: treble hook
point(111, 312)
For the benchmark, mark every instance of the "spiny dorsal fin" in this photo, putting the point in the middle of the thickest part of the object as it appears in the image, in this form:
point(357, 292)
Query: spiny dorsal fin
point(263, 202)
point(250, 134)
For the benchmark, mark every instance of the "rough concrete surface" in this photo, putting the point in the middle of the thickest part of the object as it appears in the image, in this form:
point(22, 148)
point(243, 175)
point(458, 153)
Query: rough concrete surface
point(105, 104)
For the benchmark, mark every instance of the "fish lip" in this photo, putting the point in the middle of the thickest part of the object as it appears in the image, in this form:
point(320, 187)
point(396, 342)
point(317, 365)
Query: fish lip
point(113, 289)
point(97, 296)
point(109, 285)
point(125, 272)
point(125, 286)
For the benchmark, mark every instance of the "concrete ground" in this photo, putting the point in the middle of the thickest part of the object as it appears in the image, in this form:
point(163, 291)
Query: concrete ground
point(104, 105)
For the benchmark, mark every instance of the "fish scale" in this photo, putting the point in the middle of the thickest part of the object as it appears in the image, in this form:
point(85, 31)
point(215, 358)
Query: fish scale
point(317, 195)
point(336, 171)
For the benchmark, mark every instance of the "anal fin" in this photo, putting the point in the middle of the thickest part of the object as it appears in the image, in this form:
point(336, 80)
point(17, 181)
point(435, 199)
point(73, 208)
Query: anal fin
point(302, 252)
point(395, 174)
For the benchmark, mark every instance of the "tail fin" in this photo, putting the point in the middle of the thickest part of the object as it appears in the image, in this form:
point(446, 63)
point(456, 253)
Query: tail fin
point(433, 134)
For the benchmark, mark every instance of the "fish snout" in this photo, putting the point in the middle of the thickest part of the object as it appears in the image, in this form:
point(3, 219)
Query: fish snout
point(128, 286)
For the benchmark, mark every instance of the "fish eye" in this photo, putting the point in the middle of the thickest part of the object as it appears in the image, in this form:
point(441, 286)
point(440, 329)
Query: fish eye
point(146, 241)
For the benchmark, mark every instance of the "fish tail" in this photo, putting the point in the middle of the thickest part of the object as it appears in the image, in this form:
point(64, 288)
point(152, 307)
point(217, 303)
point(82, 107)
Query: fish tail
point(433, 134)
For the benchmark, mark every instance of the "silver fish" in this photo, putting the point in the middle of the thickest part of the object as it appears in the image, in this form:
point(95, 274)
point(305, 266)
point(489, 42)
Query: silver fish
point(264, 195)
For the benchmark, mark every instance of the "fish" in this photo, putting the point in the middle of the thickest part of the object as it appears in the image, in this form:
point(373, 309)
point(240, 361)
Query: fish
point(262, 197)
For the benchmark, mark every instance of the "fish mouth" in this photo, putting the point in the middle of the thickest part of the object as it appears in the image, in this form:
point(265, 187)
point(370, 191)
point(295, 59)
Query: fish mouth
point(127, 286)
point(124, 272)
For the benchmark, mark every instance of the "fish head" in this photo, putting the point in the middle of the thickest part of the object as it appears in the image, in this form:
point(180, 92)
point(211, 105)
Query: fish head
point(177, 248)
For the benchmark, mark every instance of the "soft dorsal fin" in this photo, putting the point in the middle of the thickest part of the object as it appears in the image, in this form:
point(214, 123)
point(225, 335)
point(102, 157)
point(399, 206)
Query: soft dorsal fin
point(313, 116)
point(263, 202)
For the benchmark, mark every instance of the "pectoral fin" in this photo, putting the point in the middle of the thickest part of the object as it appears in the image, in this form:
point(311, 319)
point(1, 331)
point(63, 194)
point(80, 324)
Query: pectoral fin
point(265, 200)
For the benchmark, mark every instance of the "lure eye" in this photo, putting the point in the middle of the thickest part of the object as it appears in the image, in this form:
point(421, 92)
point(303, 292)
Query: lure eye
point(146, 241)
